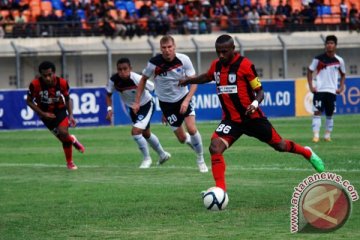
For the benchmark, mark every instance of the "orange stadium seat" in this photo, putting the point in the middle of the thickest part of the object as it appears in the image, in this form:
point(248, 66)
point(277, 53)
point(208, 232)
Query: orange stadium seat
point(296, 4)
point(34, 3)
point(46, 6)
point(160, 3)
point(35, 11)
point(139, 4)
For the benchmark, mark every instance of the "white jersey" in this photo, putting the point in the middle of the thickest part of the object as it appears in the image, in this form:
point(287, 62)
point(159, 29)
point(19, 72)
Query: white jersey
point(167, 75)
point(328, 70)
point(127, 88)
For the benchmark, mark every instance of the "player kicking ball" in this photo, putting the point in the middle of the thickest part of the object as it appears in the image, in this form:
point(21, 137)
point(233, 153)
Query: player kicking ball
point(125, 82)
point(48, 96)
point(240, 93)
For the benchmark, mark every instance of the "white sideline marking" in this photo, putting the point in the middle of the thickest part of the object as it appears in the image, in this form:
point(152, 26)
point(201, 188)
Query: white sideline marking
point(42, 165)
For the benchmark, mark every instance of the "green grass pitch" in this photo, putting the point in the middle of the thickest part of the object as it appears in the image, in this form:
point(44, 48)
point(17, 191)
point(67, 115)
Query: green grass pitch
point(109, 197)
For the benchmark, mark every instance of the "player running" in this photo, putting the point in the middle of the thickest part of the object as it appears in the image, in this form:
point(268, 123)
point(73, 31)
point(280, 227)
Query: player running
point(125, 82)
point(176, 102)
point(48, 96)
point(240, 93)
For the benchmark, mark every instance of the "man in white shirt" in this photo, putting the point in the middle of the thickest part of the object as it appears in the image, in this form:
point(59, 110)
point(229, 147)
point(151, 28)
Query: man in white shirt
point(125, 82)
point(328, 67)
point(176, 102)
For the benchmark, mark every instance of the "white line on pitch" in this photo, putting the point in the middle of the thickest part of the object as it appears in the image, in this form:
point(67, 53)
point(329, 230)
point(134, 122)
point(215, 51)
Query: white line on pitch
point(42, 165)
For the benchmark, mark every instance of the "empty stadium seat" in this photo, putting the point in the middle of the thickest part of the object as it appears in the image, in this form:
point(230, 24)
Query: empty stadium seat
point(81, 14)
point(324, 10)
point(120, 5)
point(46, 6)
point(57, 4)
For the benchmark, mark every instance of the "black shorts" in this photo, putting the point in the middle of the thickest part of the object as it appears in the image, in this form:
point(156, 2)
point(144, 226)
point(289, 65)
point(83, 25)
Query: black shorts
point(259, 128)
point(172, 114)
point(324, 101)
point(142, 118)
point(53, 124)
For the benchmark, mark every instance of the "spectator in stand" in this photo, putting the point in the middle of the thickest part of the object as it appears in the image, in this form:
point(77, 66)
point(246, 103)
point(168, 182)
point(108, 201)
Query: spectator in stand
point(343, 12)
point(308, 16)
point(269, 11)
point(2, 21)
point(268, 8)
point(253, 19)
point(295, 21)
point(280, 8)
point(288, 9)
point(259, 8)
point(145, 9)
point(354, 22)
point(164, 22)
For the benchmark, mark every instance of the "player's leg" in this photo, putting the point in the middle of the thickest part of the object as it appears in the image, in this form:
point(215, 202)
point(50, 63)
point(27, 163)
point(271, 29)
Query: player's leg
point(59, 127)
point(154, 142)
point(224, 136)
point(196, 142)
point(141, 121)
point(263, 130)
point(330, 103)
point(67, 141)
point(142, 145)
point(318, 106)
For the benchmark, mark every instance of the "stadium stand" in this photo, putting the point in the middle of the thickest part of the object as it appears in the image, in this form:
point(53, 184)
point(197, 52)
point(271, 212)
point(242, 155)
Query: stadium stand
point(183, 16)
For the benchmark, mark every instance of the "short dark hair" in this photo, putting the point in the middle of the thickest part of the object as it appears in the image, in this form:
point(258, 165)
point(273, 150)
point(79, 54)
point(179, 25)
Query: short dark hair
point(225, 38)
point(123, 60)
point(331, 38)
point(46, 65)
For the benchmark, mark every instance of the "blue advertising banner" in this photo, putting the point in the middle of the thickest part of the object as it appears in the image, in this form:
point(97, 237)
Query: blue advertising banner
point(89, 109)
point(89, 105)
point(279, 98)
point(279, 101)
point(348, 102)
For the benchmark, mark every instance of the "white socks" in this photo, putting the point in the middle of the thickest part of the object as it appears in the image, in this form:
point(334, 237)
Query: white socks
point(156, 145)
point(316, 125)
point(195, 142)
point(142, 144)
point(329, 125)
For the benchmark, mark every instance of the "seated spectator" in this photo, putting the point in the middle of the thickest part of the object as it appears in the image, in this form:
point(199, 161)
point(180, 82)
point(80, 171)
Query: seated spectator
point(354, 21)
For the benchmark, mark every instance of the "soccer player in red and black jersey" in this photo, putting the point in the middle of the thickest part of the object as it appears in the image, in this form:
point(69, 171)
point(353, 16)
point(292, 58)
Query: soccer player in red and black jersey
point(240, 92)
point(48, 96)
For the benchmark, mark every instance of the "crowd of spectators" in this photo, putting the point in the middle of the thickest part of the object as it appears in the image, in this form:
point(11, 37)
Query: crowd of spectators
point(128, 18)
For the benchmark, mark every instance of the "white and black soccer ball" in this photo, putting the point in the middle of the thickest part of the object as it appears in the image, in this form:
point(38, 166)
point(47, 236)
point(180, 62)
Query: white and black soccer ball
point(215, 199)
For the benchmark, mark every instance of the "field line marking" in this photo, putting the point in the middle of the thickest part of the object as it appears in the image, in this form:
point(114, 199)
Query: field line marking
point(42, 165)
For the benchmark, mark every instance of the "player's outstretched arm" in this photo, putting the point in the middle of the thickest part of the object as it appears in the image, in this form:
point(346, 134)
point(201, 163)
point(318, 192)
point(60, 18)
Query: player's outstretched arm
point(203, 78)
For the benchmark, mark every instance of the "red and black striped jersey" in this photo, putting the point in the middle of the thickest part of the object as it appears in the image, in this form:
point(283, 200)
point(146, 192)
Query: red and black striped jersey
point(49, 98)
point(235, 84)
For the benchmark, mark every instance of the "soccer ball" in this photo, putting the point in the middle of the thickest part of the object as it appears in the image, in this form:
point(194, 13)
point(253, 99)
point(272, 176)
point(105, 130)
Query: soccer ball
point(215, 199)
